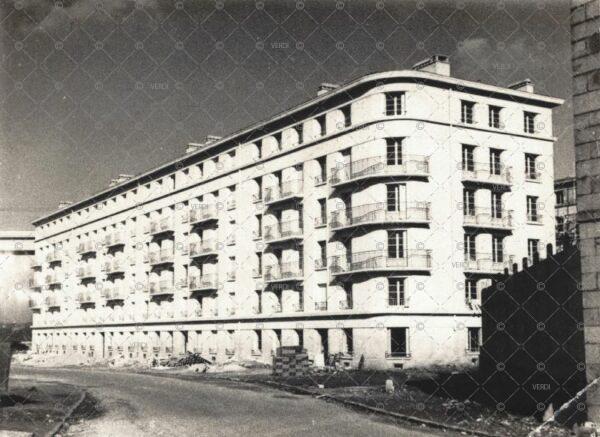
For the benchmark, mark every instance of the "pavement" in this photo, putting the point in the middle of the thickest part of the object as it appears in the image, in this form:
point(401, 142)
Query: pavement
point(142, 405)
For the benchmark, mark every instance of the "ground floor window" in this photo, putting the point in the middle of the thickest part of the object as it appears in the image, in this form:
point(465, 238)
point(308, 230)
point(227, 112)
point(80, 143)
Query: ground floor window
point(398, 343)
point(474, 339)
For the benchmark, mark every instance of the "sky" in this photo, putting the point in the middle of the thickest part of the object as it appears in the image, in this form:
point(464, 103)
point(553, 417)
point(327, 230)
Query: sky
point(90, 89)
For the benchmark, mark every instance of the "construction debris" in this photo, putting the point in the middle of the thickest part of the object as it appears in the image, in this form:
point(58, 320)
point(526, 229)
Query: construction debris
point(290, 361)
point(188, 359)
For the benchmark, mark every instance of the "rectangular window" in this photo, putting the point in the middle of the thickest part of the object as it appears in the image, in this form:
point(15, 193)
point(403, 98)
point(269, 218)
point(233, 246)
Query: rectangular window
point(494, 116)
point(394, 151)
point(496, 205)
point(529, 122)
point(395, 197)
point(396, 296)
point(469, 247)
point(398, 342)
point(530, 166)
point(347, 116)
point(258, 340)
point(471, 290)
point(258, 226)
point(277, 137)
point(560, 197)
point(322, 126)
point(474, 339)
point(533, 249)
point(469, 202)
point(468, 162)
point(322, 176)
point(497, 249)
point(259, 263)
point(300, 131)
point(396, 240)
point(532, 209)
point(394, 103)
point(495, 162)
point(322, 219)
point(322, 262)
point(466, 111)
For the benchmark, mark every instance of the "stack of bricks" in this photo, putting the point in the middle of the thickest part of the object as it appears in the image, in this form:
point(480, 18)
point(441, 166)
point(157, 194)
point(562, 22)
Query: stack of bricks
point(290, 361)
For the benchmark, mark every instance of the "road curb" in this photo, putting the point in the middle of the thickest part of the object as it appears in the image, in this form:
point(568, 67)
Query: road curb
point(364, 407)
point(56, 430)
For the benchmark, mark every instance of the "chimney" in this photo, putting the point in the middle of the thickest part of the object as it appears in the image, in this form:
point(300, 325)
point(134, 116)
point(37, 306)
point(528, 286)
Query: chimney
point(64, 204)
point(194, 147)
point(326, 87)
point(525, 85)
point(438, 64)
point(191, 148)
point(211, 139)
point(119, 179)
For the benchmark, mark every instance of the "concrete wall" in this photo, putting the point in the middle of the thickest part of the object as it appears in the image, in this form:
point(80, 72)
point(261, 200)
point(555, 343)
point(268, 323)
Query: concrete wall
point(16, 258)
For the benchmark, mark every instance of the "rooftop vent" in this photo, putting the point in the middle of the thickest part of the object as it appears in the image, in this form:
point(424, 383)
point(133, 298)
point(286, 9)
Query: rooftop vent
point(524, 85)
point(64, 204)
point(194, 147)
point(438, 64)
point(119, 179)
point(326, 87)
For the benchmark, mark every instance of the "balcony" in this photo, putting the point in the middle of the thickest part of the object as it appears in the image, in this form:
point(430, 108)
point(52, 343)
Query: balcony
point(203, 283)
point(52, 279)
point(379, 261)
point(285, 231)
point(86, 297)
point(203, 213)
point(378, 214)
point(482, 173)
point(52, 302)
point(35, 283)
point(114, 239)
point(86, 247)
point(321, 306)
point(161, 226)
point(534, 218)
point(35, 303)
point(484, 263)
point(114, 267)
point(160, 288)
point(287, 190)
point(284, 272)
point(160, 257)
point(204, 248)
point(86, 272)
point(484, 219)
point(377, 167)
point(54, 257)
point(115, 294)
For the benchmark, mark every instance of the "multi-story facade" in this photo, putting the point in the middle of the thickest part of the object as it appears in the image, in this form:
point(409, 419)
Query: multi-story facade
point(363, 222)
point(565, 190)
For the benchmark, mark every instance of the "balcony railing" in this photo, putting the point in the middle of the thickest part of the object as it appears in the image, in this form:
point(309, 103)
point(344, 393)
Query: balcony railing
point(52, 279)
point(202, 213)
point(204, 282)
point(163, 225)
point(287, 230)
point(160, 288)
point(86, 297)
point(86, 247)
point(534, 218)
point(378, 260)
point(114, 293)
point(285, 191)
point(35, 303)
point(321, 306)
point(483, 217)
point(52, 302)
point(114, 239)
point(86, 272)
point(54, 257)
point(160, 257)
point(114, 266)
point(376, 213)
point(35, 283)
point(485, 263)
point(284, 272)
point(377, 166)
point(484, 173)
point(206, 247)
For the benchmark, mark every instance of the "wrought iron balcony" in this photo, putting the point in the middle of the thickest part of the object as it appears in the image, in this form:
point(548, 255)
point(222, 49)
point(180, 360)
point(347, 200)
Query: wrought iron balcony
point(377, 167)
point(291, 271)
point(86, 272)
point(114, 267)
point(485, 263)
point(379, 260)
point(87, 247)
point(284, 231)
point(483, 173)
point(52, 279)
point(379, 213)
point(203, 283)
point(161, 257)
point(287, 190)
point(161, 226)
point(485, 218)
point(114, 239)
point(54, 257)
point(86, 297)
point(203, 213)
point(161, 288)
point(52, 302)
point(203, 248)
point(114, 294)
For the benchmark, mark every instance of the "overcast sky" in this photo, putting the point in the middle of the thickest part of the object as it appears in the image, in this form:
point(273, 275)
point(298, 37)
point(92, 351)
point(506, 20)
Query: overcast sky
point(93, 88)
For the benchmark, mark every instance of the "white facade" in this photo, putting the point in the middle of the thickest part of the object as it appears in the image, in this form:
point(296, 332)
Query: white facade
point(339, 225)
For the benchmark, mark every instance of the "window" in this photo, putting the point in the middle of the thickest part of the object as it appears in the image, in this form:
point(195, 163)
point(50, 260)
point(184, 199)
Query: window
point(494, 116)
point(468, 163)
point(300, 131)
point(258, 340)
point(396, 295)
point(497, 249)
point(398, 342)
point(394, 151)
point(395, 197)
point(394, 103)
point(530, 166)
point(322, 261)
point(532, 209)
point(347, 116)
point(560, 224)
point(529, 122)
point(322, 219)
point(259, 190)
point(496, 205)
point(259, 263)
point(258, 232)
point(396, 244)
point(322, 176)
point(466, 111)
point(471, 292)
point(322, 126)
point(469, 247)
point(533, 249)
point(469, 202)
point(474, 339)
point(277, 137)
point(560, 197)
point(495, 162)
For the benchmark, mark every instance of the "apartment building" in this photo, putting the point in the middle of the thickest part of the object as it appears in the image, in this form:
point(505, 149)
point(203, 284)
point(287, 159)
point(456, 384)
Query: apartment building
point(566, 212)
point(362, 223)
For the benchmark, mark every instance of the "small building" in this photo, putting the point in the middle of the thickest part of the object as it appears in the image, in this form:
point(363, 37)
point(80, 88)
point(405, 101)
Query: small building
point(565, 190)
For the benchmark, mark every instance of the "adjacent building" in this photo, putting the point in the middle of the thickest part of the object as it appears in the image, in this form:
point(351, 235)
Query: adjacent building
point(566, 212)
point(16, 258)
point(363, 223)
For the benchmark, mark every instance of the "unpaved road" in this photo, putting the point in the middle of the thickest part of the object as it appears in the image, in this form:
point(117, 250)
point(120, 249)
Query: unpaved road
point(144, 405)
